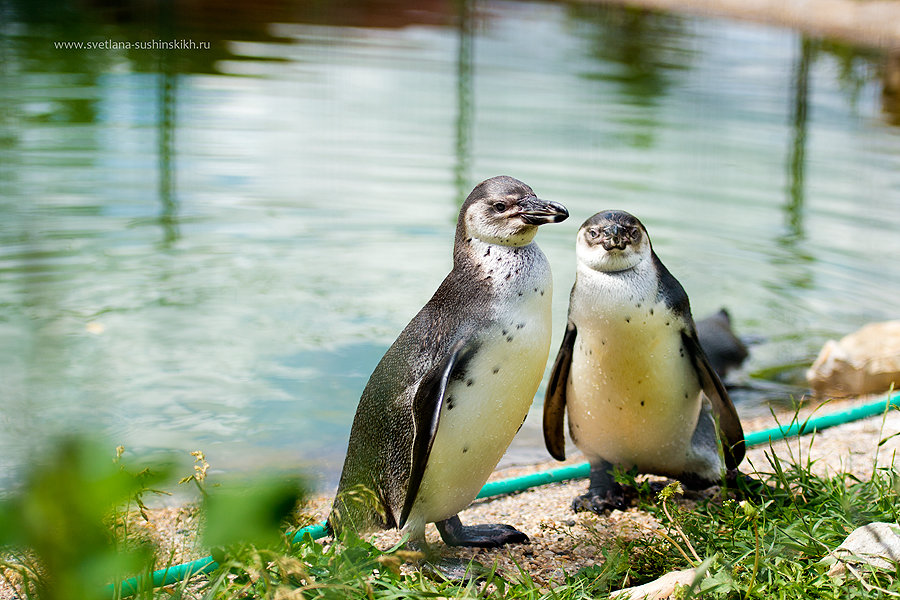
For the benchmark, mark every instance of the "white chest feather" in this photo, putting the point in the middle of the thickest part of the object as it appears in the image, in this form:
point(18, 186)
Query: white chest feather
point(484, 409)
point(633, 397)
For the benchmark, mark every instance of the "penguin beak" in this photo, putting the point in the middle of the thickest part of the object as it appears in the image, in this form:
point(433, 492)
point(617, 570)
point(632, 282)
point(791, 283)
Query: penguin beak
point(614, 236)
point(535, 211)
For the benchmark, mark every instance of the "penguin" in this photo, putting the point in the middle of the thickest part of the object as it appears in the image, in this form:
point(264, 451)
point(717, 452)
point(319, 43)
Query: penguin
point(723, 348)
point(445, 401)
point(637, 386)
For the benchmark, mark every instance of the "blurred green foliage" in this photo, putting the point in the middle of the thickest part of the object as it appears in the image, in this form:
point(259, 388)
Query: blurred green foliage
point(250, 512)
point(61, 525)
point(65, 535)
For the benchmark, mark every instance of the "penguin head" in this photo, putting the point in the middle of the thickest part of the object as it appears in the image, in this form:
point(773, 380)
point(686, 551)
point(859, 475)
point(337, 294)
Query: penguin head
point(612, 240)
point(505, 211)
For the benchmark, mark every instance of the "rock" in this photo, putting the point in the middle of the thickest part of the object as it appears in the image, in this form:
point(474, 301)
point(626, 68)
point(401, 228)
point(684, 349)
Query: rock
point(723, 348)
point(664, 587)
point(876, 545)
point(866, 361)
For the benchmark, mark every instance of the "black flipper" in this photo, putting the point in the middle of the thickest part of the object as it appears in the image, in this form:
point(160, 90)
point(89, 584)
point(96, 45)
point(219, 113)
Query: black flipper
point(555, 398)
point(427, 414)
point(730, 429)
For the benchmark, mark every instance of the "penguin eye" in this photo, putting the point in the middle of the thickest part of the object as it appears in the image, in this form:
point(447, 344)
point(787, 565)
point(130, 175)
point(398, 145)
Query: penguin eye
point(593, 233)
point(499, 207)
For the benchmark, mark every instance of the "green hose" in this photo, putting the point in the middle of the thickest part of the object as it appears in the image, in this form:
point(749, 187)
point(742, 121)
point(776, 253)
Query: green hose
point(168, 576)
point(824, 422)
point(174, 574)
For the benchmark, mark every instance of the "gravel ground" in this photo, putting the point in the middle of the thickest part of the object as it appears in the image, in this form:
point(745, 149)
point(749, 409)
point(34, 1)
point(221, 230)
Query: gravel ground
point(563, 541)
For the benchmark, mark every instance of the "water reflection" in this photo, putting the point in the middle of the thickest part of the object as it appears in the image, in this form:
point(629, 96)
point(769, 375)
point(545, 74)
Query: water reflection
point(168, 216)
point(890, 95)
point(622, 46)
point(643, 70)
point(212, 248)
point(167, 95)
point(464, 100)
point(793, 258)
point(796, 156)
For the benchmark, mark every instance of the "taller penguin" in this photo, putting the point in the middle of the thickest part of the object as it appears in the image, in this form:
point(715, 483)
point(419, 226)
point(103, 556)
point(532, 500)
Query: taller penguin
point(631, 374)
point(445, 401)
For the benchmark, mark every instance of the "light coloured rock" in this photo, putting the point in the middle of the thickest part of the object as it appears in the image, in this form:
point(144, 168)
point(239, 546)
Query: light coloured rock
point(865, 361)
point(875, 544)
point(664, 587)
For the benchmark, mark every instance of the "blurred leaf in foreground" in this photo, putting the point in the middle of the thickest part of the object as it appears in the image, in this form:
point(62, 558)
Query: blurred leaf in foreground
point(58, 524)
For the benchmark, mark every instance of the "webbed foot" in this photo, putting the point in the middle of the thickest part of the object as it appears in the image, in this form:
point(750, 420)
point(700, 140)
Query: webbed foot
point(604, 493)
point(448, 568)
point(454, 533)
point(599, 503)
point(455, 570)
point(746, 486)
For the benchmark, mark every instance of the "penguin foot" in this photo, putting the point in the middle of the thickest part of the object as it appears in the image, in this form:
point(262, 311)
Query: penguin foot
point(455, 570)
point(446, 568)
point(604, 492)
point(454, 533)
point(599, 503)
point(746, 486)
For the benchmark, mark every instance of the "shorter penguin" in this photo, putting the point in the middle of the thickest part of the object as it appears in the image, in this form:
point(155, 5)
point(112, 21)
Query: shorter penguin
point(631, 374)
point(723, 348)
point(450, 393)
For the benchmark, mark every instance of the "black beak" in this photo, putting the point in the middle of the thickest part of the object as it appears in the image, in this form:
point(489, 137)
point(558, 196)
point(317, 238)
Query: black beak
point(614, 236)
point(535, 211)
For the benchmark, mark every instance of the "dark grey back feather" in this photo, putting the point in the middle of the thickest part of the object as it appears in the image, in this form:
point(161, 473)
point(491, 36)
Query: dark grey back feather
point(380, 452)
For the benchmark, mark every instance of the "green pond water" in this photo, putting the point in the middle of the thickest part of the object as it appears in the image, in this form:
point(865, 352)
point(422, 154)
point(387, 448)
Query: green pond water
point(210, 247)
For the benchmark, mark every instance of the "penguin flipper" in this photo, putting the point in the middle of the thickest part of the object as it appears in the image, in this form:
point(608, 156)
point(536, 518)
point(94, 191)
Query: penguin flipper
point(427, 404)
point(730, 429)
point(555, 398)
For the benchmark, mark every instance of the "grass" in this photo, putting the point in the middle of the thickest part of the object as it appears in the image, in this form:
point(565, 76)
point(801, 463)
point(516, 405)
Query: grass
point(67, 536)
